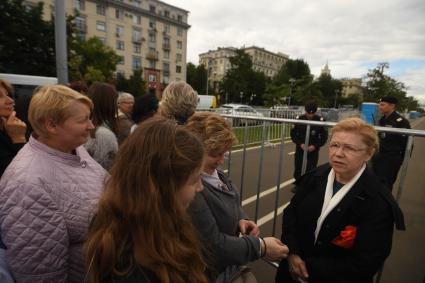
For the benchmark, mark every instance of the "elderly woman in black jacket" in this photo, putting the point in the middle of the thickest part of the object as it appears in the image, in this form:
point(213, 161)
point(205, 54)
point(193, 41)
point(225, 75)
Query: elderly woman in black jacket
point(339, 224)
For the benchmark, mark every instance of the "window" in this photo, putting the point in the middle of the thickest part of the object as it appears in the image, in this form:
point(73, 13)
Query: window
point(101, 26)
point(179, 44)
point(137, 48)
point(179, 18)
point(120, 45)
point(80, 23)
point(179, 57)
point(152, 64)
point(166, 79)
point(137, 20)
point(136, 3)
point(178, 69)
point(137, 35)
point(166, 13)
point(167, 28)
point(152, 24)
point(137, 62)
point(120, 31)
point(121, 60)
point(166, 41)
point(152, 38)
point(152, 9)
point(100, 9)
point(152, 78)
point(179, 31)
point(79, 5)
point(166, 54)
point(119, 14)
point(166, 69)
point(103, 39)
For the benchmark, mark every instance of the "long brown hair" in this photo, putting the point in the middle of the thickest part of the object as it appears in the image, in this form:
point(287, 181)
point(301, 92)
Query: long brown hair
point(140, 220)
point(105, 111)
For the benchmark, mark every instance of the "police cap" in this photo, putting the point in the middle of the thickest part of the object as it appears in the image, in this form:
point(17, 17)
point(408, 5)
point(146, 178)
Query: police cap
point(311, 107)
point(389, 99)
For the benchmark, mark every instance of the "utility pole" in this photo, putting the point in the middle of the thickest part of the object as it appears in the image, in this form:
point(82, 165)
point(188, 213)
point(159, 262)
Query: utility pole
point(292, 83)
point(336, 97)
point(60, 42)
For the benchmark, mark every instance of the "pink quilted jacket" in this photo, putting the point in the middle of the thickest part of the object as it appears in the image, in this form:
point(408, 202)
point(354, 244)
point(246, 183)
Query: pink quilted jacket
point(47, 199)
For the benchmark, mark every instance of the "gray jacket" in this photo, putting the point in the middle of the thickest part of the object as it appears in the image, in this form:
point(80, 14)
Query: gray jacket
point(215, 214)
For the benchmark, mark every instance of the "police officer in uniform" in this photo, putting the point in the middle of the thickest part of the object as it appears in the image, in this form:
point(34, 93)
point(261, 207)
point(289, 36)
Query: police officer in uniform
point(318, 137)
point(388, 160)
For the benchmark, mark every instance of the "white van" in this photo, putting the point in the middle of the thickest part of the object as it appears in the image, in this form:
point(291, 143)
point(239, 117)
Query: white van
point(25, 85)
point(206, 102)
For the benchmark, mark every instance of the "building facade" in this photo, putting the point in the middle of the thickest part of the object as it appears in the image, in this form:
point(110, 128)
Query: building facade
point(217, 62)
point(149, 35)
point(352, 87)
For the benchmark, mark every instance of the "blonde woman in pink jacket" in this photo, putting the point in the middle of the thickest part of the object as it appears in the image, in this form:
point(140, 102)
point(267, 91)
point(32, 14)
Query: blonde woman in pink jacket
point(50, 190)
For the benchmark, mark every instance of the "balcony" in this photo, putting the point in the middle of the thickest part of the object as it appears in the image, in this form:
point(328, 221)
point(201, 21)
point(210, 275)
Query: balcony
point(137, 39)
point(166, 46)
point(152, 55)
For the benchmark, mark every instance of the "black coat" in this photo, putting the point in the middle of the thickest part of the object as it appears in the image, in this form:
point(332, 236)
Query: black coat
point(8, 150)
point(318, 134)
point(368, 205)
point(393, 142)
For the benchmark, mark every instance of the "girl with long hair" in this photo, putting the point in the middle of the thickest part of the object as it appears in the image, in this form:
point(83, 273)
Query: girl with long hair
point(141, 232)
point(103, 142)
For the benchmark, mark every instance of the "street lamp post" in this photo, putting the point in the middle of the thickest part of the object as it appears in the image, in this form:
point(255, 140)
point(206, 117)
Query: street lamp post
point(336, 96)
point(292, 82)
point(241, 95)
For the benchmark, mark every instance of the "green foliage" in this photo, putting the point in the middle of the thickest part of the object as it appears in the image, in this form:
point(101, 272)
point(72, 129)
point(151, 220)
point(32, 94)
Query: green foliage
point(92, 58)
point(134, 85)
point(241, 83)
point(26, 40)
point(379, 85)
point(197, 78)
point(296, 69)
point(330, 90)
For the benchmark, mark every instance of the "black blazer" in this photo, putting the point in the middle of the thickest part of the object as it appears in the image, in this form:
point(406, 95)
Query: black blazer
point(368, 205)
point(8, 150)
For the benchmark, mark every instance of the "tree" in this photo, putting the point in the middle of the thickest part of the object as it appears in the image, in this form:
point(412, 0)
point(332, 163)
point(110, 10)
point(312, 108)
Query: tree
point(330, 90)
point(379, 85)
point(197, 78)
point(26, 40)
point(241, 83)
point(296, 69)
point(92, 59)
point(134, 85)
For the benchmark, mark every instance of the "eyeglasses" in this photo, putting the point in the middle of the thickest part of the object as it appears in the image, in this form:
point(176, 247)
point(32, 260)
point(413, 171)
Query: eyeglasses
point(347, 148)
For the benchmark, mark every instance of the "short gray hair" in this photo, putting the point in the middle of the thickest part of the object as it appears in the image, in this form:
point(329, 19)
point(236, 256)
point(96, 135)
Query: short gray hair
point(124, 96)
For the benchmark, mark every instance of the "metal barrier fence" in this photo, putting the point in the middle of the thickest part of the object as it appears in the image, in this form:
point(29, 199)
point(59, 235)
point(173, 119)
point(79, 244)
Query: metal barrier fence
point(277, 130)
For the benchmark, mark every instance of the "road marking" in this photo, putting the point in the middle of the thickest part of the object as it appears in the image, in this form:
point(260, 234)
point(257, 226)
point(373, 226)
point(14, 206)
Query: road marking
point(267, 192)
point(270, 216)
point(291, 153)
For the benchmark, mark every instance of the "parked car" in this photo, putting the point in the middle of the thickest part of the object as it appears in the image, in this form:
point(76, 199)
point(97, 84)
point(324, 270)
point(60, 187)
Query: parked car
point(240, 110)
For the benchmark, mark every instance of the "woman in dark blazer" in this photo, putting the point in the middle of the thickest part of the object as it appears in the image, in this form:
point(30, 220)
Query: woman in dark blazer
point(339, 224)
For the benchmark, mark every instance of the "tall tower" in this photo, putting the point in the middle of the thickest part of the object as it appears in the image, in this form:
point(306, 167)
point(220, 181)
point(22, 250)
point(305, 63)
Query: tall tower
point(326, 70)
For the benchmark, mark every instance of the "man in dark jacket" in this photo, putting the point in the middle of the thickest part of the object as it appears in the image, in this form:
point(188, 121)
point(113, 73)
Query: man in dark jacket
point(388, 160)
point(318, 137)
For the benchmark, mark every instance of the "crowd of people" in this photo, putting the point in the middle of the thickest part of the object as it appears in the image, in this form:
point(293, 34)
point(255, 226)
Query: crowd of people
point(112, 188)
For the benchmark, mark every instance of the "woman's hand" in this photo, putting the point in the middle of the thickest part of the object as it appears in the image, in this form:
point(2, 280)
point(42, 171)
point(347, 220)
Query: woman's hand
point(297, 267)
point(247, 227)
point(15, 128)
point(275, 249)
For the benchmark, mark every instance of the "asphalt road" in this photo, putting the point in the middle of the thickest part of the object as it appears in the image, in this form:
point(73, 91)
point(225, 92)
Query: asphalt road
point(407, 260)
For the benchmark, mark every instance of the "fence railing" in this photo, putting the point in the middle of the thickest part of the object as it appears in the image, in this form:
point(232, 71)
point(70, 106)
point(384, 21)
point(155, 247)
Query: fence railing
point(276, 130)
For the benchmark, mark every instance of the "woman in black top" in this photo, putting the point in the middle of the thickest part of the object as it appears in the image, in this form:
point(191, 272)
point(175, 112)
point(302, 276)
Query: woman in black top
point(12, 129)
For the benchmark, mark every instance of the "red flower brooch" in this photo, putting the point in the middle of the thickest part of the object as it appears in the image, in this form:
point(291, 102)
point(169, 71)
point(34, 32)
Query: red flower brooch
point(346, 237)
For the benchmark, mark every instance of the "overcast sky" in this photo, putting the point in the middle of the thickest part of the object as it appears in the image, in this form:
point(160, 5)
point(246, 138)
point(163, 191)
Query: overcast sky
point(352, 35)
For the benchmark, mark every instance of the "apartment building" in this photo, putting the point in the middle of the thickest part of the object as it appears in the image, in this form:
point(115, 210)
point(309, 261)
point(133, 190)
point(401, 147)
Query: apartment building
point(150, 35)
point(217, 62)
point(352, 87)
